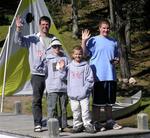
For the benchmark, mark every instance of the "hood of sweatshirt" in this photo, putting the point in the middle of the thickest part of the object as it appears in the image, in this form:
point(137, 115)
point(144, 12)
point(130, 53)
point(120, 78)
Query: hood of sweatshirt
point(51, 55)
point(74, 63)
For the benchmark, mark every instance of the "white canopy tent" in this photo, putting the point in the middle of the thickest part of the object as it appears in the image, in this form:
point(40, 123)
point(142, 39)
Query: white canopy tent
point(14, 67)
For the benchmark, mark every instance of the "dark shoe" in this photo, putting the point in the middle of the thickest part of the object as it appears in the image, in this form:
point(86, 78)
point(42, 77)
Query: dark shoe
point(111, 124)
point(37, 128)
point(89, 128)
point(44, 123)
point(77, 129)
point(98, 126)
point(66, 129)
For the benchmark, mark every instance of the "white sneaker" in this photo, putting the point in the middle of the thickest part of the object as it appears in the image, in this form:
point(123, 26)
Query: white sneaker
point(37, 128)
point(111, 124)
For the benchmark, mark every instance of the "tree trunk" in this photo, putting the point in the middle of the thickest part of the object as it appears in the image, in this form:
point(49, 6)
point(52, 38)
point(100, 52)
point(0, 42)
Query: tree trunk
point(74, 18)
point(124, 63)
point(120, 25)
point(112, 19)
point(127, 35)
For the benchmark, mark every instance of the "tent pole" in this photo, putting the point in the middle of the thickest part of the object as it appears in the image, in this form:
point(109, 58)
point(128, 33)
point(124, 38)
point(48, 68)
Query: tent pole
point(5, 67)
point(4, 77)
point(6, 59)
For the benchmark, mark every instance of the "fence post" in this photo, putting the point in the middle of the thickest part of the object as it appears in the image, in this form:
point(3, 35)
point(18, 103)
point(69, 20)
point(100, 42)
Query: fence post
point(142, 121)
point(53, 128)
point(18, 107)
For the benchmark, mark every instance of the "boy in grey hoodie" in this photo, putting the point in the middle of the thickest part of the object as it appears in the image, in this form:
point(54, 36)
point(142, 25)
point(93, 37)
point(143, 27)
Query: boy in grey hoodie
point(79, 85)
point(56, 86)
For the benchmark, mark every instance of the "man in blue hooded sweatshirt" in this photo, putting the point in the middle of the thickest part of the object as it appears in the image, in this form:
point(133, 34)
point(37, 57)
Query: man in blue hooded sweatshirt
point(104, 55)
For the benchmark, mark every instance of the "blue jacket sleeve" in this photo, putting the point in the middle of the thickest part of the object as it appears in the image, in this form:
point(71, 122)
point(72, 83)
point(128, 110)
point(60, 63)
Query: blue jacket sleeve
point(21, 40)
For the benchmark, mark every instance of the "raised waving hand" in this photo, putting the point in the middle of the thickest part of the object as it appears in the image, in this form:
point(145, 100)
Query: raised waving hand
point(86, 34)
point(19, 23)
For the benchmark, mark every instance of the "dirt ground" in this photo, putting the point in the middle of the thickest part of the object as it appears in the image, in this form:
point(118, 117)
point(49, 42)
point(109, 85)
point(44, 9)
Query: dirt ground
point(9, 103)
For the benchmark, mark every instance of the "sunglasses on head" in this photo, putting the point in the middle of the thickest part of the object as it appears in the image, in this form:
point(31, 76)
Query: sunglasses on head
point(56, 46)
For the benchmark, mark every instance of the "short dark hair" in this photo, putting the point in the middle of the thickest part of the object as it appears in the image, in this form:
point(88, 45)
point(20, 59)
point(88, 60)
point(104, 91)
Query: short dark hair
point(77, 48)
point(45, 18)
point(104, 21)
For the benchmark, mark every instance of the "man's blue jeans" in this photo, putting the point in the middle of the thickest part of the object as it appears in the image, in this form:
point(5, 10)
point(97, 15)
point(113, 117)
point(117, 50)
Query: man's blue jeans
point(52, 99)
point(38, 85)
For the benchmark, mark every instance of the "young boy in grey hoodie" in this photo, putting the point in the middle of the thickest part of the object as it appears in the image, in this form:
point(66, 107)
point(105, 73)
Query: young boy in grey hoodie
point(79, 86)
point(55, 85)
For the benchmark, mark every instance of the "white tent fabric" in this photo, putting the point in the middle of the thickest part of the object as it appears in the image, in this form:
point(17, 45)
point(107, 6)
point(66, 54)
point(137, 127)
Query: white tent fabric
point(17, 70)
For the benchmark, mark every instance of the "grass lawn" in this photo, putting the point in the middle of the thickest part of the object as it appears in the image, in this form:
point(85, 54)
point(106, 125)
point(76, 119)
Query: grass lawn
point(3, 32)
